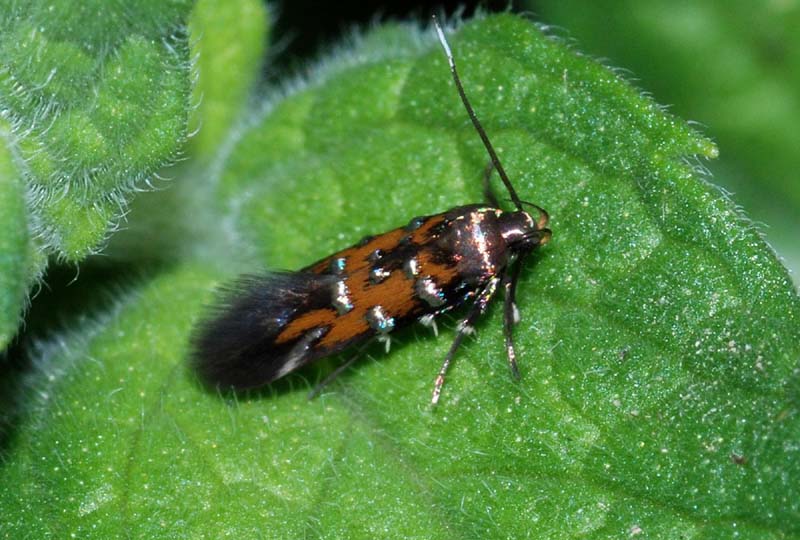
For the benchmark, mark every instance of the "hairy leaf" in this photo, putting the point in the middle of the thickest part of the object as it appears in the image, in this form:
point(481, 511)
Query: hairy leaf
point(18, 260)
point(97, 96)
point(659, 335)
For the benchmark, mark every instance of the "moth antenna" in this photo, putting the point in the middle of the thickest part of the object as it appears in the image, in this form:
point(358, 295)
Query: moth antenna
point(475, 122)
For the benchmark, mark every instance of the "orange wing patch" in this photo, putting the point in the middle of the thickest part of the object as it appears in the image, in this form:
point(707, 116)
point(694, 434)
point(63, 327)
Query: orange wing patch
point(395, 294)
point(357, 256)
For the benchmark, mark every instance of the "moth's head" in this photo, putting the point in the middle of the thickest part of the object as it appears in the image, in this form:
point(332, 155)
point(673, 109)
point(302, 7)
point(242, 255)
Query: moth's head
point(522, 233)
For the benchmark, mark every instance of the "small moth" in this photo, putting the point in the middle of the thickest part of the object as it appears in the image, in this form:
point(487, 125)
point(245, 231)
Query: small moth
point(265, 326)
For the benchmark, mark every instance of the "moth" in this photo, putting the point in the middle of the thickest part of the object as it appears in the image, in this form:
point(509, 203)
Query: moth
point(266, 326)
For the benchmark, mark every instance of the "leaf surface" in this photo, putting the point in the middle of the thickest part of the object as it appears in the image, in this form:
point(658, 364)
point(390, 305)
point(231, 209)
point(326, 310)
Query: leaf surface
point(659, 335)
point(94, 99)
point(734, 67)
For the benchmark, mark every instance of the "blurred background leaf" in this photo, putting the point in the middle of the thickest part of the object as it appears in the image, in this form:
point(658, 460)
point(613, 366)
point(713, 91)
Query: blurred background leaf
point(733, 67)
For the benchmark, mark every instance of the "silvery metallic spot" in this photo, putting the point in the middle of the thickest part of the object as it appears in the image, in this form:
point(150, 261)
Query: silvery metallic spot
point(379, 320)
point(428, 290)
point(415, 224)
point(411, 267)
point(338, 265)
point(341, 297)
point(375, 256)
point(378, 274)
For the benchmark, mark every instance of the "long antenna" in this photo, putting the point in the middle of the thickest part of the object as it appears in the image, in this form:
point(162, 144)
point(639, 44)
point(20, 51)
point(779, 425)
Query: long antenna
point(478, 127)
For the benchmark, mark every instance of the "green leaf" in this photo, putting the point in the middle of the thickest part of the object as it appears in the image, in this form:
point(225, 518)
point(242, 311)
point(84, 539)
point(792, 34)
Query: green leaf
point(659, 336)
point(734, 67)
point(96, 105)
point(229, 44)
point(18, 257)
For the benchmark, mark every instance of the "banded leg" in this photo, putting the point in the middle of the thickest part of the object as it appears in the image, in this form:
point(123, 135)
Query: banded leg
point(511, 314)
point(339, 370)
point(467, 326)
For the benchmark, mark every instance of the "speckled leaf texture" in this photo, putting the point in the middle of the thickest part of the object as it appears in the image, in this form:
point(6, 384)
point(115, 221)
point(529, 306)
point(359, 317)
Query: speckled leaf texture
point(659, 338)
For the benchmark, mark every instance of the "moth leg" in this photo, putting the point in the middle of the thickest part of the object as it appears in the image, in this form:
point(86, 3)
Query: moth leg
point(511, 315)
point(467, 326)
point(430, 321)
point(488, 194)
point(339, 370)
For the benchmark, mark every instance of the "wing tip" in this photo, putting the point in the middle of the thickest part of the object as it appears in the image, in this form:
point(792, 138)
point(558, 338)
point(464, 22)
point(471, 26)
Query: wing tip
point(233, 345)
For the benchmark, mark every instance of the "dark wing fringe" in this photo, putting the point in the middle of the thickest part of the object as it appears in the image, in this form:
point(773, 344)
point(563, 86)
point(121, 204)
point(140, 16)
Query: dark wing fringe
point(234, 346)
